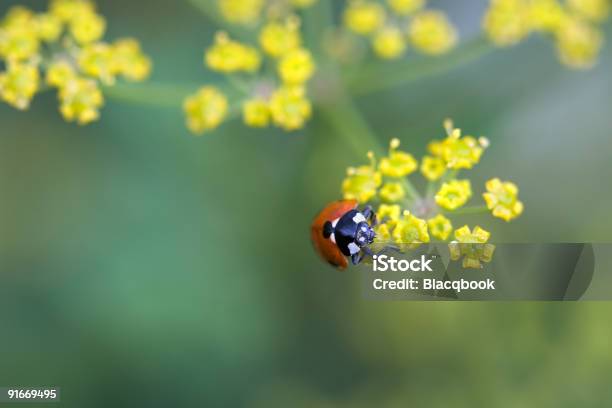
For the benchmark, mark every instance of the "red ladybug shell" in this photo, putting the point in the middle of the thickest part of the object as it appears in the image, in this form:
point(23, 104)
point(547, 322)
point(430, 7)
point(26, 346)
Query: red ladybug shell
point(327, 249)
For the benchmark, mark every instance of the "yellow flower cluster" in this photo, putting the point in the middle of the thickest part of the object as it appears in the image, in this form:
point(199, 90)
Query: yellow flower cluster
point(62, 48)
point(277, 98)
point(410, 219)
point(401, 24)
point(572, 24)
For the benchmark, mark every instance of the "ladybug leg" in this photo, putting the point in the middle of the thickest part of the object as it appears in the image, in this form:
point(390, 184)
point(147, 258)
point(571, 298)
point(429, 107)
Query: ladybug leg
point(357, 258)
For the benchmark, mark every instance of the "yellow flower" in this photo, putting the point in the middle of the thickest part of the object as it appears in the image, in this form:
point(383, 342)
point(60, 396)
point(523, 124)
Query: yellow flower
point(502, 199)
point(432, 33)
point(277, 38)
point(361, 183)
point(18, 42)
point(388, 211)
point(392, 192)
point(48, 27)
point(67, 10)
point(578, 43)
point(459, 152)
point(97, 60)
point(506, 22)
point(595, 10)
point(454, 194)
point(19, 84)
point(405, 7)
point(398, 163)
point(545, 15)
point(296, 67)
point(432, 168)
point(59, 73)
point(205, 110)
point(290, 108)
point(383, 233)
point(471, 244)
point(130, 61)
point(410, 230)
point(364, 17)
point(389, 43)
point(241, 11)
point(229, 56)
point(80, 100)
point(87, 27)
point(440, 227)
point(256, 113)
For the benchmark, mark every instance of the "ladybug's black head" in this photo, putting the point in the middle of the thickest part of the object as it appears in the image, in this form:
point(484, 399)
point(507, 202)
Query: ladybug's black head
point(364, 235)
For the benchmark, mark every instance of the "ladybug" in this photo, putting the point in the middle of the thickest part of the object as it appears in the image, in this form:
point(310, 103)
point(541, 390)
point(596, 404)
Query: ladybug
point(341, 230)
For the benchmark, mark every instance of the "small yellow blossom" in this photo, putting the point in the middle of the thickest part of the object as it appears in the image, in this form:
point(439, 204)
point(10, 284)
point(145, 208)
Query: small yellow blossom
point(389, 43)
point(432, 33)
point(545, 15)
point(256, 113)
point(364, 17)
point(389, 211)
point(278, 38)
point(80, 100)
point(97, 60)
point(18, 42)
point(383, 233)
point(290, 108)
point(228, 56)
point(59, 73)
point(440, 227)
point(410, 230)
point(296, 67)
point(205, 110)
point(406, 7)
point(454, 194)
point(241, 11)
point(130, 61)
point(594, 10)
point(392, 192)
point(87, 27)
point(48, 27)
point(398, 163)
point(472, 246)
point(459, 152)
point(578, 43)
point(432, 168)
point(18, 84)
point(506, 22)
point(67, 10)
point(502, 199)
point(362, 183)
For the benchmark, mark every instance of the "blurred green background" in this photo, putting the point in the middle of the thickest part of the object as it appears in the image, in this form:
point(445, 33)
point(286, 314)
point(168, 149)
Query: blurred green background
point(140, 266)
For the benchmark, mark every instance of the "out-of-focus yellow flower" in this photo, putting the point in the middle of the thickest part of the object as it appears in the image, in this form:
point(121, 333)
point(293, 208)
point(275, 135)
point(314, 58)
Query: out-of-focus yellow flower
point(405, 7)
point(472, 246)
point(364, 17)
point(595, 10)
point(398, 163)
point(454, 194)
point(59, 73)
point(432, 33)
point(506, 22)
point(256, 113)
point(18, 36)
point(48, 27)
point(130, 61)
point(290, 108)
point(228, 56)
point(296, 67)
point(391, 212)
point(67, 10)
point(361, 183)
point(432, 168)
point(97, 60)
point(392, 192)
point(440, 227)
point(205, 110)
point(278, 38)
point(87, 27)
point(241, 11)
point(410, 231)
point(502, 199)
point(383, 233)
point(80, 101)
point(389, 43)
point(545, 15)
point(578, 43)
point(19, 84)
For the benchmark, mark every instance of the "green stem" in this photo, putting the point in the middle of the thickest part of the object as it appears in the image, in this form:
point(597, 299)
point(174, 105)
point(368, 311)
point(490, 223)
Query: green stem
point(385, 75)
point(150, 94)
point(468, 210)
